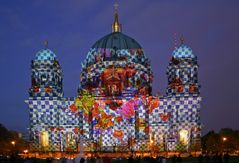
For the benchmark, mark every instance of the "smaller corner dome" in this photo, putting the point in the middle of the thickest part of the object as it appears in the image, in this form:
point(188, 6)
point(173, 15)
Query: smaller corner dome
point(183, 51)
point(117, 40)
point(45, 54)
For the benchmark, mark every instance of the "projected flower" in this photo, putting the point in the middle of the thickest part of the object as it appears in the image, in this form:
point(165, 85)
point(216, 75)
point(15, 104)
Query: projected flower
point(154, 103)
point(95, 110)
point(104, 121)
point(85, 101)
point(150, 103)
point(48, 89)
point(118, 134)
point(165, 117)
point(118, 119)
point(128, 109)
point(73, 108)
point(147, 129)
point(76, 130)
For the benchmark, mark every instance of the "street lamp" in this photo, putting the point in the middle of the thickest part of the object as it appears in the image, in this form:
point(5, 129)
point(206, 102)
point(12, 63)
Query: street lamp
point(13, 143)
point(13, 147)
point(224, 139)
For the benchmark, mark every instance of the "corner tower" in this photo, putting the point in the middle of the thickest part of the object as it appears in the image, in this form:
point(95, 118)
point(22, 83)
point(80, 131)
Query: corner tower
point(182, 72)
point(46, 75)
point(51, 121)
point(183, 100)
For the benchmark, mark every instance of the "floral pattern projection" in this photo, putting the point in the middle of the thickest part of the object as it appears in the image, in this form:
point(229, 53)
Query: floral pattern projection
point(118, 79)
point(108, 116)
point(120, 82)
point(114, 107)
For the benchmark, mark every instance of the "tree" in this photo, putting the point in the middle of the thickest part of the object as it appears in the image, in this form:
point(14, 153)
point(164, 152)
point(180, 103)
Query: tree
point(226, 139)
point(229, 138)
point(211, 142)
point(6, 137)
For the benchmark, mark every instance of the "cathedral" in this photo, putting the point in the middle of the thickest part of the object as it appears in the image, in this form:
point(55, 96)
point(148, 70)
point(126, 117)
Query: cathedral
point(115, 110)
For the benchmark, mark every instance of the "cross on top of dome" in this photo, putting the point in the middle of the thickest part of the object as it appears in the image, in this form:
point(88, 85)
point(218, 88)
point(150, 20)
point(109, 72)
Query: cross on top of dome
point(116, 5)
point(116, 26)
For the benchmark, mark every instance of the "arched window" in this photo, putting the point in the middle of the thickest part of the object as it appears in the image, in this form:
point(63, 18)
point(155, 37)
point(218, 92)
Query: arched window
point(184, 137)
point(44, 139)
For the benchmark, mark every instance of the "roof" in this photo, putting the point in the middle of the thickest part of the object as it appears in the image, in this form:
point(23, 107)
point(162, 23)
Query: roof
point(117, 40)
point(183, 51)
point(45, 54)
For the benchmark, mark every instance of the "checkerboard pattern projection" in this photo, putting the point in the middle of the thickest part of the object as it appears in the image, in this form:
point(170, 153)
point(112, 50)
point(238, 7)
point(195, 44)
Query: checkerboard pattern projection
point(133, 120)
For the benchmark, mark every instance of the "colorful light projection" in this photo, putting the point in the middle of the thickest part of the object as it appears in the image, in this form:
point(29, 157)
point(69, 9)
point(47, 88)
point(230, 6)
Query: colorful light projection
point(116, 80)
point(109, 115)
point(114, 108)
point(182, 72)
point(44, 139)
point(70, 142)
point(184, 137)
point(110, 72)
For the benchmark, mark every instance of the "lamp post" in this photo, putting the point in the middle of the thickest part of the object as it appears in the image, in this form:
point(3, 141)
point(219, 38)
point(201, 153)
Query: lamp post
point(13, 143)
point(224, 139)
point(13, 147)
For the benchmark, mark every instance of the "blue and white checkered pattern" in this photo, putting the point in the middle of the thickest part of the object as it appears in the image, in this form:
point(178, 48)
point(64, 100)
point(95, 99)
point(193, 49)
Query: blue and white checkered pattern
point(187, 72)
point(107, 135)
point(46, 74)
point(184, 115)
point(50, 112)
point(45, 54)
point(183, 52)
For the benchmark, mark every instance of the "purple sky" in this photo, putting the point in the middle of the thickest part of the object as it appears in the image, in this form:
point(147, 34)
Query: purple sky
point(210, 27)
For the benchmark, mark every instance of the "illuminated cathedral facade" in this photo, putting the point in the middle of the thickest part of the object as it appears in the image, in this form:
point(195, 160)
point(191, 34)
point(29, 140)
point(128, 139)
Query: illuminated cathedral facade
point(115, 109)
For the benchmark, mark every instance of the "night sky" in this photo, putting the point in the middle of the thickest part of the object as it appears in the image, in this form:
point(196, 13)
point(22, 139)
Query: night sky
point(210, 28)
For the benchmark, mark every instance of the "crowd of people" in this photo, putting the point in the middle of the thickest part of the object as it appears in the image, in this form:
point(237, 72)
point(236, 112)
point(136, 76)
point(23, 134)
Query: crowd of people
point(205, 158)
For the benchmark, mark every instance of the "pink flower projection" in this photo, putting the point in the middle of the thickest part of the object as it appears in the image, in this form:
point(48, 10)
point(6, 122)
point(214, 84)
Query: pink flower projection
point(128, 109)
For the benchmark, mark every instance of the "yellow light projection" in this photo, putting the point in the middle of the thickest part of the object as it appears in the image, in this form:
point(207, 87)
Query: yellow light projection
point(69, 139)
point(44, 139)
point(183, 134)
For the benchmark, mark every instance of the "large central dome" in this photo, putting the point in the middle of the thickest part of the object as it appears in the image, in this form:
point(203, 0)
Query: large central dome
point(116, 66)
point(117, 40)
